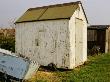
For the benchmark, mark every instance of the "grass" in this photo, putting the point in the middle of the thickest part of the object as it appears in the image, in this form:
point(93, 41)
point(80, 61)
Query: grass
point(96, 69)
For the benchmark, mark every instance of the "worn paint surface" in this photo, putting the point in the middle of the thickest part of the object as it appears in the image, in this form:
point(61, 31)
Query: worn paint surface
point(107, 40)
point(32, 69)
point(13, 66)
point(108, 37)
point(46, 42)
point(78, 42)
point(78, 14)
point(52, 41)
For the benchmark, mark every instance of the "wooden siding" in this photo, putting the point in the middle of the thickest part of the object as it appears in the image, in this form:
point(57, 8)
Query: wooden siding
point(92, 35)
point(97, 37)
point(52, 41)
point(109, 39)
point(46, 42)
point(79, 42)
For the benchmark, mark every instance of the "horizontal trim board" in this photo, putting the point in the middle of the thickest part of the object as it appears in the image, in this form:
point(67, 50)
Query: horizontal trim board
point(42, 20)
point(97, 28)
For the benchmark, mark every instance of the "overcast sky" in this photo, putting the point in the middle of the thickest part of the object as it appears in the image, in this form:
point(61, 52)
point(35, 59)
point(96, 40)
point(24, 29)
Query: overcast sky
point(97, 11)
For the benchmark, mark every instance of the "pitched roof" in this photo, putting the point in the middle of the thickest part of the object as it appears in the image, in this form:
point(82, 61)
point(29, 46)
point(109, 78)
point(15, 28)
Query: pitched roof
point(59, 11)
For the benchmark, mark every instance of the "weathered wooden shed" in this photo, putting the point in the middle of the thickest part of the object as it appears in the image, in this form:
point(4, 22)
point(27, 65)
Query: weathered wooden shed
point(99, 35)
point(53, 34)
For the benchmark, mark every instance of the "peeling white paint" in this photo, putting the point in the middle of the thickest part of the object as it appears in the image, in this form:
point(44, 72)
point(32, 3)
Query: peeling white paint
point(52, 41)
point(13, 66)
point(5, 51)
point(44, 41)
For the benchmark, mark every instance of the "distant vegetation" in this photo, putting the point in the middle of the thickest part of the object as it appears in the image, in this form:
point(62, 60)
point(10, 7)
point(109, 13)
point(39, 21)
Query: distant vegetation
point(7, 39)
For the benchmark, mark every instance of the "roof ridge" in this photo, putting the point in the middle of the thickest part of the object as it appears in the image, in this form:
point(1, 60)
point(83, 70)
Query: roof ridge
point(60, 5)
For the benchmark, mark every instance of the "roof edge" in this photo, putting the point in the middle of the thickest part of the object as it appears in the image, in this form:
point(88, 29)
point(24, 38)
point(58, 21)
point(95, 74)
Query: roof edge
point(42, 20)
point(98, 26)
point(84, 13)
point(58, 5)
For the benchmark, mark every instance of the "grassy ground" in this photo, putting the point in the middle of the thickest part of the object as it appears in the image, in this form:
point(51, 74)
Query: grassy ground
point(96, 69)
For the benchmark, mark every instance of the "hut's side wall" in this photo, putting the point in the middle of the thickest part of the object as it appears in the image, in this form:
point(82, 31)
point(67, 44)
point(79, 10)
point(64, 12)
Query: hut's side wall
point(108, 30)
point(53, 41)
point(78, 14)
point(81, 15)
point(45, 42)
point(107, 41)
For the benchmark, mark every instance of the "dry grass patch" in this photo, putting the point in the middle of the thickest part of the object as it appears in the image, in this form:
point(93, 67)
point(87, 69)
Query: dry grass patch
point(45, 76)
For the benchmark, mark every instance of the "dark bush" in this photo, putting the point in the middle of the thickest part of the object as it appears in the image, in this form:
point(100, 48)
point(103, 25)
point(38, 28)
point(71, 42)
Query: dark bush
point(94, 51)
point(7, 43)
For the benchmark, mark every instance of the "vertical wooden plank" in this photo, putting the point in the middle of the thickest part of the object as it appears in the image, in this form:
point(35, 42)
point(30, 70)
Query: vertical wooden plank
point(107, 41)
point(79, 42)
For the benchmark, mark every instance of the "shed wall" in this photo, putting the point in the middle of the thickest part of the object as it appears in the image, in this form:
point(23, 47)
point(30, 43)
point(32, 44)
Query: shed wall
point(52, 41)
point(78, 42)
point(107, 41)
point(45, 42)
point(78, 14)
point(81, 16)
point(97, 38)
point(108, 31)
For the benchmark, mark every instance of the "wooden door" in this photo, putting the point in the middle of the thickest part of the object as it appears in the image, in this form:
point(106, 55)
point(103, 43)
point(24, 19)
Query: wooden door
point(78, 42)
